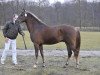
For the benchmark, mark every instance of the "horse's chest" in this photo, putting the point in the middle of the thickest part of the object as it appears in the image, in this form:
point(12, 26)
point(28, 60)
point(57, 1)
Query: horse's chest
point(36, 37)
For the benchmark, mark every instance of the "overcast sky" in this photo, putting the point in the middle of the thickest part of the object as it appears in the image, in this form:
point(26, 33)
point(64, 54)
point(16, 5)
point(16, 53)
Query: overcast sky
point(53, 1)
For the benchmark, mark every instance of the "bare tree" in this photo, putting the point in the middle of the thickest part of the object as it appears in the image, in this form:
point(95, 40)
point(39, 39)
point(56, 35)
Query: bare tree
point(93, 13)
point(57, 8)
point(3, 12)
point(12, 7)
point(17, 2)
point(41, 5)
point(80, 12)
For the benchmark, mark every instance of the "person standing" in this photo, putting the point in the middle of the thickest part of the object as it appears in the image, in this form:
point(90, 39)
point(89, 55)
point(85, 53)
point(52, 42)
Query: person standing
point(10, 32)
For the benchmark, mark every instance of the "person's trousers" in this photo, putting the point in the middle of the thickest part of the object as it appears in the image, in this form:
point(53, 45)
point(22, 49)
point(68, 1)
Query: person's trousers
point(11, 43)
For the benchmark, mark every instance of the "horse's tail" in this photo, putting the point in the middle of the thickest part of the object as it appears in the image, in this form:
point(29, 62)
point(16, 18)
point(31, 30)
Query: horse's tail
point(78, 40)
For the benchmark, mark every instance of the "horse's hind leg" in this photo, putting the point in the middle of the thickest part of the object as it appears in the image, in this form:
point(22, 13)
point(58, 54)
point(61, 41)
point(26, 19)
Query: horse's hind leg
point(76, 51)
point(36, 46)
point(41, 51)
point(69, 54)
point(76, 55)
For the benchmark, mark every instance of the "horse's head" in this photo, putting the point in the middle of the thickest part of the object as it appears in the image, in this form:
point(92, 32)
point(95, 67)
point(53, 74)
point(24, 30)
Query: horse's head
point(22, 17)
point(27, 16)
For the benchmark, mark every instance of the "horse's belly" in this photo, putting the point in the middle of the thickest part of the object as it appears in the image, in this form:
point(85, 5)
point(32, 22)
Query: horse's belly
point(51, 41)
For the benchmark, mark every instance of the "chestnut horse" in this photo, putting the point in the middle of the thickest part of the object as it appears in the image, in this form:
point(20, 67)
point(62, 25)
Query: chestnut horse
point(41, 34)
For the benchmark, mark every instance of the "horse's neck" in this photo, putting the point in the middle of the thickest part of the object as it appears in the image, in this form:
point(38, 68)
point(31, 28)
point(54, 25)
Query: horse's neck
point(32, 25)
point(28, 27)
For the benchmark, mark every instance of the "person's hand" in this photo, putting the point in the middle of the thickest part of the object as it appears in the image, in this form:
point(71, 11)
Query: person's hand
point(6, 39)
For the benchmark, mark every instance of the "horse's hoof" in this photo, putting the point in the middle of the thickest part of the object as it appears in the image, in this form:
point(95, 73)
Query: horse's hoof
point(66, 63)
point(35, 66)
point(77, 66)
point(43, 65)
point(64, 66)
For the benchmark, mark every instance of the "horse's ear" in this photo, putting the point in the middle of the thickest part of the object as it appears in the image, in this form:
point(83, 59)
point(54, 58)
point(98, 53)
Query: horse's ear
point(24, 10)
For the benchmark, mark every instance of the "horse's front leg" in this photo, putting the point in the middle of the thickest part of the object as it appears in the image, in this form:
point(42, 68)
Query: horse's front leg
point(36, 46)
point(41, 51)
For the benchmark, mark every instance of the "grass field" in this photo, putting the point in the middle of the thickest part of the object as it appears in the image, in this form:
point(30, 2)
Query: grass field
point(89, 41)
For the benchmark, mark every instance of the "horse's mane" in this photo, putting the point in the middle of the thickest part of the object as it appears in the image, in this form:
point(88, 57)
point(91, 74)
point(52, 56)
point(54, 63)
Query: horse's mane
point(36, 17)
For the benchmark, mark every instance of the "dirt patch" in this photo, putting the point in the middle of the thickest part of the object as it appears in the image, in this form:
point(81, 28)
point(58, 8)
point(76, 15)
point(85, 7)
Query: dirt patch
point(54, 53)
point(54, 66)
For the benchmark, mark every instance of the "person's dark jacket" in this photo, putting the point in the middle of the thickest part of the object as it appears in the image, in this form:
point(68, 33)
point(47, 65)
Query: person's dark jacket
point(11, 30)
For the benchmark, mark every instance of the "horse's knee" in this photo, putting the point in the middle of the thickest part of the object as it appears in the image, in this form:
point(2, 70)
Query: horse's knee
point(36, 53)
point(72, 48)
point(69, 53)
point(76, 53)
